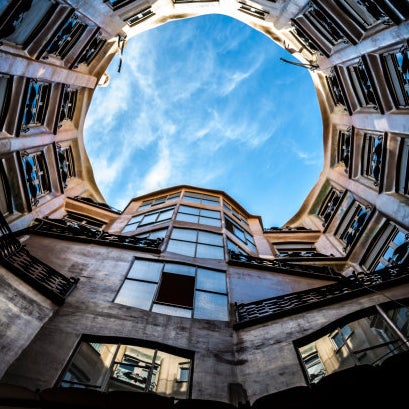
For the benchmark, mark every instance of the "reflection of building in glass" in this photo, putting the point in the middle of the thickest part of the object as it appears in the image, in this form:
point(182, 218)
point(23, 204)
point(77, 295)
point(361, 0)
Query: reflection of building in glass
point(184, 293)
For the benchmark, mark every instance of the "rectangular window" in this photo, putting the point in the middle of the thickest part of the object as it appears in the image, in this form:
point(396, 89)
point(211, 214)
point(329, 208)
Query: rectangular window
point(175, 289)
point(65, 163)
point(365, 13)
point(139, 17)
point(117, 4)
point(253, 11)
point(65, 39)
point(351, 225)
point(335, 89)
point(240, 233)
point(372, 150)
point(35, 104)
point(397, 68)
point(201, 198)
point(91, 50)
point(6, 84)
point(238, 215)
point(36, 174)
point(294, 249)
point(196, 243)
point(146, 219)
point(340, 337)
point(344, 148)
point(118, 367)
point(68, 101)
point(362, 86)
point(329, 206)
point(159, 200)
point(197, 215)
point(390, 248)
point(403, 168)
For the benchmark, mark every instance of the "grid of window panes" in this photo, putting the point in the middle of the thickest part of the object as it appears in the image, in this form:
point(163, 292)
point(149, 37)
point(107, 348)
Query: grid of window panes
point(110, 367)
point(397, 66)
point(146, 219)
point(159, 200)
point(391, 248)
point(372, 157)
point(240, 217)
point(36, 173)
point(6, 84)
point(231, 246)
point(196, 243)
point(175, 289)
point(365, 13)
point(197, 215)
point(240, 233)
point(201, 198)
point(140, 16)
point(362, 86)
point(67, 108)
point(335, 89)
point(403, 168)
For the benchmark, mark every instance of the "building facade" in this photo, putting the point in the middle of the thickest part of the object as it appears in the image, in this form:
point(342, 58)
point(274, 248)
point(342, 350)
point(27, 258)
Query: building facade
point(184, 293)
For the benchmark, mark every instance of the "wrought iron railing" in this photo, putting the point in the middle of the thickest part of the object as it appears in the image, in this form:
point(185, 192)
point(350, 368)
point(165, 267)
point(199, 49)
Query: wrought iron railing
point(17, 259)
point(313, 271)
point(69, 230)
point(248, 314)
point(93, 202)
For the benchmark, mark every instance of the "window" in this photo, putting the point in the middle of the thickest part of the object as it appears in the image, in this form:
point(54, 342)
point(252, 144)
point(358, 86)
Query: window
point(196, 243)
point(344, 148)
point(67, 108)
point(83, 220)
point(340, 337)
point(140, 16)
point(201, 198)
point(36, 173)
point(159, 200)
point(6, 83)
point(196, 215)
point(20, 19)
point(231, 246)
point(352, 223)
point(146, 219)
point(397, 68)
point(6, 203)
point(390, 248)
point(365, 13)
point(253, 11)
point(91, 50)
point(335, 89)
point(366, 340)
point(132, 367)
point(153, 235)
point(239, 216)
point(403, 168)
point(66, 38)
point(372, 157)
point(65, 164)
point(362, 86)
point(240, 233)
point(296, 249)
point(175, 289)
point(329, 205)
point(35, 105)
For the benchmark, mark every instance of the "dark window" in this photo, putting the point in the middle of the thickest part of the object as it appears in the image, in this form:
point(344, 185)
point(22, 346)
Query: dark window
point(253, 11)
point(35, 105)
point(36, 173)
point(176, 289)
point(403, 168)
point(84, 220)
point(139, 17)
point(329, 205)
point(397, 67)
point(66, 38)
point(344, 148)
point(67, 108)
point(362, 86)
point(91, 50)
point(335, 89)
point(372, 157)
point(6, 83)
point(117, 4)
point(66, 163)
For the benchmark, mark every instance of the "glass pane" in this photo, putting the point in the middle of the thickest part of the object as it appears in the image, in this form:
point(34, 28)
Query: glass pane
point(184, 234)
point(211, 280)
point(149, 218)
point(129, 227)
point(206, 251)
point(210, 222)
point(158, 234)
point(182, 247)
point(145, 270)
point(210, 238)
point(136, 294)
point(399, 238)
point(186, 218)
point(210, 306)
point(165, 215)
point(210, 213)
point(179, 269)
point(189, 209)
point(176, 311)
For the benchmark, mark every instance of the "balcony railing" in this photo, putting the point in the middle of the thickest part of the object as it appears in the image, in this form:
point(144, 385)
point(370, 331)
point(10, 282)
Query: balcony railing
point(93, 202)
point(17, 259)
point(69, 230)
point(350, 287)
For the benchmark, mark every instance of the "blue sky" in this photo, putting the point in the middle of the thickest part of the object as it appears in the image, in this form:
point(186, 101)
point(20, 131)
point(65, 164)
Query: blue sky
point(206, 101)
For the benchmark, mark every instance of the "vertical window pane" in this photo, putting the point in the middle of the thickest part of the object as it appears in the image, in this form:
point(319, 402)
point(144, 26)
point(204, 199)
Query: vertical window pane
point(182, 247)
point(210, 238)
point(136, 294)
point(145, 270)
point(210, 306)
point(211, 280)
point(205, 251)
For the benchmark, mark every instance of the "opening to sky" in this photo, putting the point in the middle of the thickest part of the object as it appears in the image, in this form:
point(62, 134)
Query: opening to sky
point(206, 101)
